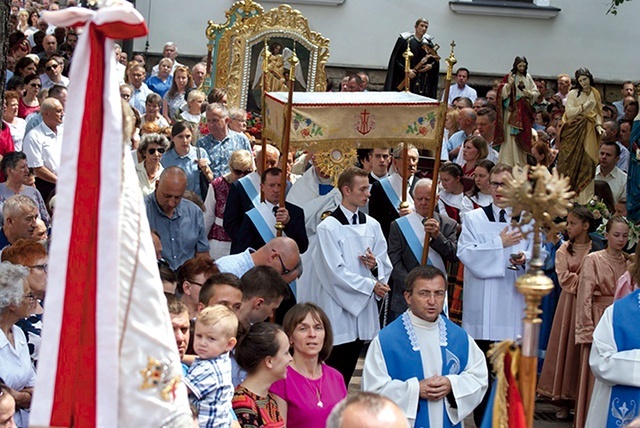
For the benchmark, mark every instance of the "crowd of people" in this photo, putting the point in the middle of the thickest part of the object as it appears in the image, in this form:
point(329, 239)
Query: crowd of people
point(338, 264)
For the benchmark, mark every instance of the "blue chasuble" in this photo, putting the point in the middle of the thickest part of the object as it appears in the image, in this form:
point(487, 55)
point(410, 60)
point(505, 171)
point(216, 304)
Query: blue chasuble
point(625, 400)
point(404, 361)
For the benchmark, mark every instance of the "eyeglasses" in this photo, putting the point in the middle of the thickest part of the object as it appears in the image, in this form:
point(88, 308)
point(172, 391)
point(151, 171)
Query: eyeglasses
point(195, 283)
point(125, 96)
point(241, 172)
point(44, 267)
point(426, 294)
point(30, 297)
point(35, 85)
point(51, 67)
point(496, 184)
point(153, 151)
point(285, 271)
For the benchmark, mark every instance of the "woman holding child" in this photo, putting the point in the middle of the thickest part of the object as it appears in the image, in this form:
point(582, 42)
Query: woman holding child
point(311, 389)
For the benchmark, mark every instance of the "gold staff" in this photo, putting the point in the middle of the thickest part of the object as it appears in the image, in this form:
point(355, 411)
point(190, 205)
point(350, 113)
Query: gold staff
point(451, 61)
point(265, 69)
point(540, 197)
point(293, 61)
point(407, 66)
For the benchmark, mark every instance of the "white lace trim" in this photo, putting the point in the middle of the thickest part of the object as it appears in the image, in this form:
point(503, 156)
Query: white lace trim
point(411, 332)
point(443, 331)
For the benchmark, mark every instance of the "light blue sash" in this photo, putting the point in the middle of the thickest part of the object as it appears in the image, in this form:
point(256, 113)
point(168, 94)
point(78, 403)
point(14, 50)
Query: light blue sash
point(391, 194)
point(403, 360)
point(261, 225)
point(625, 400)
point(412, 239)
point(267, 235)
point(252, 193)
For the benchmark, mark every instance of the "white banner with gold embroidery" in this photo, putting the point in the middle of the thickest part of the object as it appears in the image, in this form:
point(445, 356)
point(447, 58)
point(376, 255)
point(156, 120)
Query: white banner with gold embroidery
point(329, 120)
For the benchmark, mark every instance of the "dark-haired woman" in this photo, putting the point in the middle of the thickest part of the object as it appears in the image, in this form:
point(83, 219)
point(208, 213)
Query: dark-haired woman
point(264, 353)
point(311, 388)
point(559, 377)
point(480, 195)
point(29, 103)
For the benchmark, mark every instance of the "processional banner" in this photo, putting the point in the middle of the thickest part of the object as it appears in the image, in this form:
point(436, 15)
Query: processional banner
point(329, 120)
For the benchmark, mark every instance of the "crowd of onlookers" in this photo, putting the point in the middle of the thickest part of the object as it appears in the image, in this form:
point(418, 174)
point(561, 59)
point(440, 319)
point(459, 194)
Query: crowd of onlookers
point(225, 272)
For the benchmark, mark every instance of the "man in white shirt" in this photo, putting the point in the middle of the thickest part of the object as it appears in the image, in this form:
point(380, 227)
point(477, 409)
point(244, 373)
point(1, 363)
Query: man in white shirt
point(351, 272)
point(43, 146)
point(138, 99)
point(564, 85)
point(53, 73)
point(461, 89)
point(170, 50)
point(608, 171)
point(612, 134)
point(405, 361)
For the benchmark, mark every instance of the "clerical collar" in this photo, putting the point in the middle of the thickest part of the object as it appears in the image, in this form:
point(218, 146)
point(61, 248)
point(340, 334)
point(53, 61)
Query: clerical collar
point(419, 322)
point(349, 214)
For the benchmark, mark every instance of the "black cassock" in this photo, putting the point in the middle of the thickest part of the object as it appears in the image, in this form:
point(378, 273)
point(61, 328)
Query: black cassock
point(425, 83)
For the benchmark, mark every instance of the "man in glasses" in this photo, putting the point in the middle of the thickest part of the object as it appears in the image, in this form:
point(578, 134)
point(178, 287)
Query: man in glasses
point(494, 255)
point(53, 73)
point(281, 253)
point(432, 392)
point(350, 273)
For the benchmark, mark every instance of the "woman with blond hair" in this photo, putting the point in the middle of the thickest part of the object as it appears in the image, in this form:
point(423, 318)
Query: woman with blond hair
point(240, 165)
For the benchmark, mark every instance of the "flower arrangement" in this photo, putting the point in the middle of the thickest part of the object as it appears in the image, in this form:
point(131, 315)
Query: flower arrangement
point(634, 231)
point(254, 124)
point(598, 209)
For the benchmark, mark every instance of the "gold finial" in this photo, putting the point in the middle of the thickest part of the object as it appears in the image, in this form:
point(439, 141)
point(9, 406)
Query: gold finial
point(293, 62)
point(541, 197)
point(451, 60)
point(407, 55)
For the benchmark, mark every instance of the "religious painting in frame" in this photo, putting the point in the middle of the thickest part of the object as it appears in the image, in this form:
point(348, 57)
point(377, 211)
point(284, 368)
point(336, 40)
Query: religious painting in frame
point(282, 31)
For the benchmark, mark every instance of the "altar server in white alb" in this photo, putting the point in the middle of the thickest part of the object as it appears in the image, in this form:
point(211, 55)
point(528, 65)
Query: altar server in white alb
point(351, 272)
point(425, 363)
point(615, 362)
point(494, 255)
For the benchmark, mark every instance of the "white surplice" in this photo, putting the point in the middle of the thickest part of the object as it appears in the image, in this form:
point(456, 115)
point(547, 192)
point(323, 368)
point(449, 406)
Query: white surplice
point(468, 387)
point(493, 308)
point(610, 367)
point(305, 193)
point(342, 284)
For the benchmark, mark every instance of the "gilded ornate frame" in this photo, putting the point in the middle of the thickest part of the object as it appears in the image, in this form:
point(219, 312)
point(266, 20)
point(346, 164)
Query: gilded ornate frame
point(233, 58)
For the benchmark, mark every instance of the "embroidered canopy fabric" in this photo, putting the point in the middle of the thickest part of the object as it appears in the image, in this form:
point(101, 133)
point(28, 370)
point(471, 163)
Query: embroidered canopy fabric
point(330, 120)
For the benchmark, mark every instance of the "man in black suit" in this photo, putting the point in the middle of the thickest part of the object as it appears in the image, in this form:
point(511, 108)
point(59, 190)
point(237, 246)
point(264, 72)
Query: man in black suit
point(258, 224)
point(406, 242)
point(386, 194)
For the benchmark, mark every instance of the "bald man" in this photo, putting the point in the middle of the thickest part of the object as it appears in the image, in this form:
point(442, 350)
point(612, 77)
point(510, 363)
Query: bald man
point(43, 146)
point(367, 410)
point(179, 222)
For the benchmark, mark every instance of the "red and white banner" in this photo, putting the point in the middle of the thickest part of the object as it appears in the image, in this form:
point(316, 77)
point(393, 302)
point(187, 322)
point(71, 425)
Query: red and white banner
point(108, 356)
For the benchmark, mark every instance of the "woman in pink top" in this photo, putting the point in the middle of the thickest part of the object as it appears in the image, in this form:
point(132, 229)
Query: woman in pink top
point(311, 389)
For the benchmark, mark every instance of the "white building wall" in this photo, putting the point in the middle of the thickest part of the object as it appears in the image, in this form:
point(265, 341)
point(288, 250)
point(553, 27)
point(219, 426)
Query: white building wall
point(363, 32)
